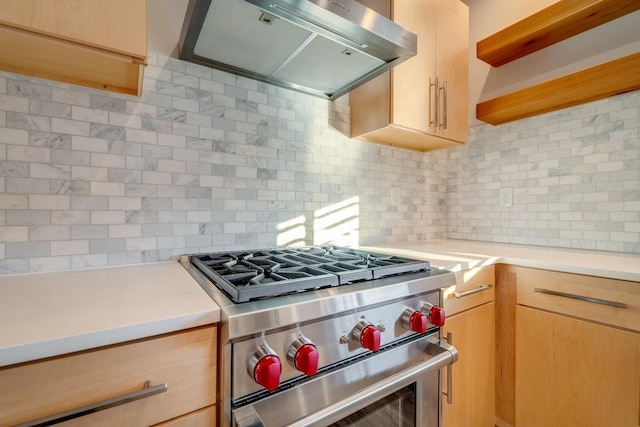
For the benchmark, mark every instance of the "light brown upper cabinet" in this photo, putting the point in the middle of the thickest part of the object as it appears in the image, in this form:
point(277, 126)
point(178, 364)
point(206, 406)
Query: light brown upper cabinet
point(421, 104)
point(98, 43)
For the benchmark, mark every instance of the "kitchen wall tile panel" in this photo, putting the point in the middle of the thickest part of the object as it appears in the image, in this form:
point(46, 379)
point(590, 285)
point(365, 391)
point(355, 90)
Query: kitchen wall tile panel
point(575, 176)
point(202, 161)
point(206, 161)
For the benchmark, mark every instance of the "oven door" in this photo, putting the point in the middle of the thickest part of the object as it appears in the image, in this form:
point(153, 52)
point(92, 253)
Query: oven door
point(398, 386)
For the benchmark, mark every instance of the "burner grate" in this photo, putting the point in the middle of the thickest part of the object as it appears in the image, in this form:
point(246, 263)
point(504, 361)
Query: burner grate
point(250, 275)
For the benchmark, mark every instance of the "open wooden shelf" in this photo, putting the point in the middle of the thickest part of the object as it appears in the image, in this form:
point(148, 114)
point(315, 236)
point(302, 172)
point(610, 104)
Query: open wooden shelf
point(602, 81)
point(558, 22)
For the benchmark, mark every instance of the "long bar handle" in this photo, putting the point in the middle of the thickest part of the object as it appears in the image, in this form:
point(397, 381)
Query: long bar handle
point(97, 406)
point(449, 393)
point(472, 291)
point(434, 122)
point(581, 298)
point(444, 105)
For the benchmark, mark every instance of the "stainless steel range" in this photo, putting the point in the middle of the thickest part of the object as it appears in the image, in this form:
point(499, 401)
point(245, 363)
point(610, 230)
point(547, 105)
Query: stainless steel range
point(327, 336)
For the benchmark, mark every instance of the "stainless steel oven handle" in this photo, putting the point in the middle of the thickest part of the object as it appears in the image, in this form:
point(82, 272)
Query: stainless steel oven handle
point(449, 392)
point(447, 355)
point(439, 354)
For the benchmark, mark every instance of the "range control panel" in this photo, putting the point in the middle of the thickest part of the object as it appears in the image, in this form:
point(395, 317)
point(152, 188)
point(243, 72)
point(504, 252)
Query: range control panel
point(303, 350)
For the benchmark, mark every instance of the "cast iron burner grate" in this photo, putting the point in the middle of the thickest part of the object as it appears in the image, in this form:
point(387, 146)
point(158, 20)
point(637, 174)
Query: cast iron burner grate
point(250, 275)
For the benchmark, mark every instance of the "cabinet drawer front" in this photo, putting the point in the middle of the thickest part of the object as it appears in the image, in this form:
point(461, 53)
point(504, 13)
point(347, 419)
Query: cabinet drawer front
point(185, 361)
point(473, 288)
point(203, 417)
point(591, 298)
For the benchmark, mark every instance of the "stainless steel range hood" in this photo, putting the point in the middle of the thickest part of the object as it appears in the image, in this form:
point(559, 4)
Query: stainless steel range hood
point(320, 47)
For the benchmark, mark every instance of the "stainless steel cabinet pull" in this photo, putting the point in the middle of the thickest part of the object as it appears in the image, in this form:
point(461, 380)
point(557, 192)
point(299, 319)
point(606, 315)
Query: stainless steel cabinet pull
point(449, 393)
point(97, 406)
point(436, 104)
point(444, 105)
point(472, 291)
point(581, 298)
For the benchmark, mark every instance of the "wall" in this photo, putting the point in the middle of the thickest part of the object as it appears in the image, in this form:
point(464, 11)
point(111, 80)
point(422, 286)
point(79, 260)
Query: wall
point(575, 173)
point(575, 176)
point(207, 161)
point(203, 161)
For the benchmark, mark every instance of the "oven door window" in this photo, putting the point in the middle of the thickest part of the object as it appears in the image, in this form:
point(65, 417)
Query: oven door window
point(397, 409)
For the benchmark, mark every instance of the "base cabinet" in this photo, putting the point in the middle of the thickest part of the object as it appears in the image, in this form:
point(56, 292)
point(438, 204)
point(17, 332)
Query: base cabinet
point(206, 417)
point(571, 372)
point(577, 350)
point(184, 361)
point(472, 391)
point(470, 325)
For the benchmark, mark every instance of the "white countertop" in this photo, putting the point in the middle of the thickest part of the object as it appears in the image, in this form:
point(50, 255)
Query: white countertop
point(459, 255)
point(48, 314)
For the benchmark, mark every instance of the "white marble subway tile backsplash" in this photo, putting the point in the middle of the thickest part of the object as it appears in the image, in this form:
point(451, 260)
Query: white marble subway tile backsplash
point(203, 161)
point(575, 176)
point(206, 161)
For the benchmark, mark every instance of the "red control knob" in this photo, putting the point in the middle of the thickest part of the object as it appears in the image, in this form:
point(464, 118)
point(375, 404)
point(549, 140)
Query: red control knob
point(418, 322)
point(306, 359)
point(370, 338)
point(415, 320)
point(303, 355)
point(436, 315)
point(266, 368)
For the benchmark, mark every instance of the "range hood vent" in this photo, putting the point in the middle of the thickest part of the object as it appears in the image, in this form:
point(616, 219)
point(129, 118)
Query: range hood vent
point(321, 47)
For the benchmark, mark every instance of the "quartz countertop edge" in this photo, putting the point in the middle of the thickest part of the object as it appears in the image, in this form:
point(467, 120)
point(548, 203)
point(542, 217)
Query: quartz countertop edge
point(50, 314)
point(459, 255)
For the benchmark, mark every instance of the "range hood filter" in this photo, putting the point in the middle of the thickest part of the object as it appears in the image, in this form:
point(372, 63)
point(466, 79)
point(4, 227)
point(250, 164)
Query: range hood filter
point(298, 44)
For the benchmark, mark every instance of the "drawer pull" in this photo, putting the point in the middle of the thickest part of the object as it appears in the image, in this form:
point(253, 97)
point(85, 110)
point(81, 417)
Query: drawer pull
point(472, 291)
point(147, 391)
point(581, 298)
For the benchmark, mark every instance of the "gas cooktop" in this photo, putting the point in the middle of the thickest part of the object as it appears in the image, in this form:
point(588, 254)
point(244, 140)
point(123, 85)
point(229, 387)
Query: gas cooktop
point(266, 273)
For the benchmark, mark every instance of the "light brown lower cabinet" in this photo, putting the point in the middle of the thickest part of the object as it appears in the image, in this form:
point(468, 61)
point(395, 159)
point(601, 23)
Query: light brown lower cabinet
point(571, 372)
point(577, 349)
point(206, 417)
point(185, 361)
point(472, 391)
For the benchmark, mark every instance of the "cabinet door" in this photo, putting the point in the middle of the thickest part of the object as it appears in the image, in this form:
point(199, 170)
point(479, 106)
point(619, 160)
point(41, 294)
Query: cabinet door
point(399, 107)
point(452, 69)
point(410, 79)
point(473, 397)
point(570, 372)
point(115, 25)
